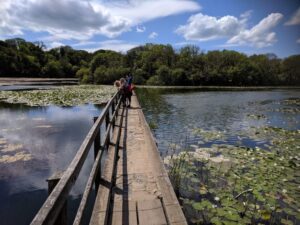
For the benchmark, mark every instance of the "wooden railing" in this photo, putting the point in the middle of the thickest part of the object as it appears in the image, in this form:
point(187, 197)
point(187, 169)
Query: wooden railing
point(54, 209)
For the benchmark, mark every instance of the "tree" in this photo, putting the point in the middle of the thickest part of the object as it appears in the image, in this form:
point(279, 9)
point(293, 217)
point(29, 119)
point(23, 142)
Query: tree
point(291, 70)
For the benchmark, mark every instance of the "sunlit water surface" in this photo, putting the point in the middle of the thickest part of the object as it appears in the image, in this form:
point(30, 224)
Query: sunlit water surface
point(36, 142)
point(176, 113)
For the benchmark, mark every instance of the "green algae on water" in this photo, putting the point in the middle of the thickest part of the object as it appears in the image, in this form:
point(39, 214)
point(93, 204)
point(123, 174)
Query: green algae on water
point(62, 96)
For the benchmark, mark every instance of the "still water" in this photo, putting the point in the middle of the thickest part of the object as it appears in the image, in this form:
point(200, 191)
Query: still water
point(176, 113)
point(36, 142)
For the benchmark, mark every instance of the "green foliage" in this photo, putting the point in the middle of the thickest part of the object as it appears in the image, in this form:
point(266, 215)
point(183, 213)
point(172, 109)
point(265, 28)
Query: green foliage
point(238, 184)
point(103, 75)
point(83, 74)
point(154, 80)
point(53, 69)
point(164, 75)
point(178, 77)
point(139, 76)
point(154, 64)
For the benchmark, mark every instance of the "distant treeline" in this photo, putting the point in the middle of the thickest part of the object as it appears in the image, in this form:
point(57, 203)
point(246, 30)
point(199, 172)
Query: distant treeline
point(151, 64)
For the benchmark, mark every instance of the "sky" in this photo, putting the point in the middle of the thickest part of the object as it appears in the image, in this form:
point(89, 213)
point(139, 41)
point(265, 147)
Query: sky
point(251, 27)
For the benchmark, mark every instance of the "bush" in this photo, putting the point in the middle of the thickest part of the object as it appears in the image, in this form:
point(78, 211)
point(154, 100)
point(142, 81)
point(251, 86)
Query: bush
point(179, 77)
point(83, 74)
point(103, 75)
point(164, 75)
point(139, 76)
point(53, 69)
point(153, 81)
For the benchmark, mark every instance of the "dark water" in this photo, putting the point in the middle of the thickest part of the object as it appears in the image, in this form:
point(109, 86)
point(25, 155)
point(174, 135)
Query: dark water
point(175, 113)
point(35, 142)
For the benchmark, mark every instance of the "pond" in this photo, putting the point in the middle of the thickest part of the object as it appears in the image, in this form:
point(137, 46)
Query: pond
point(37, 141)
point(233, 156)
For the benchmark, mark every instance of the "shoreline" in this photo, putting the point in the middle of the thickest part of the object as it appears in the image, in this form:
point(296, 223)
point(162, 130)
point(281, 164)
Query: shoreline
point(219, 87)
point(25, 81)
point(9, 81)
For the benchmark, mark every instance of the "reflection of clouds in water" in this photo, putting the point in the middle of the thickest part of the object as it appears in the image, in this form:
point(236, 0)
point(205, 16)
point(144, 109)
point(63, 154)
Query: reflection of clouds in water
point(51, 135)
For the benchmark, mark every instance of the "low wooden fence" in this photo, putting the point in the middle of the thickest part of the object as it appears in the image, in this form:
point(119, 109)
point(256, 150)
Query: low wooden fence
point(54, 209)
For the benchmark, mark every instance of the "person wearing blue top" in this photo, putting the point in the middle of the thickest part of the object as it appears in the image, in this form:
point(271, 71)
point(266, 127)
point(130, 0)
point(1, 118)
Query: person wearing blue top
point(129, 87)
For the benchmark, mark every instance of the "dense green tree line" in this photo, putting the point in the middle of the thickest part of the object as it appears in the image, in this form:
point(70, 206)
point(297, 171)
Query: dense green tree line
point(150, 64)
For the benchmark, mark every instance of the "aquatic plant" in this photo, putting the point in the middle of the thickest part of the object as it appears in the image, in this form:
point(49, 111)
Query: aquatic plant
point(62, 96)
point(227, 184)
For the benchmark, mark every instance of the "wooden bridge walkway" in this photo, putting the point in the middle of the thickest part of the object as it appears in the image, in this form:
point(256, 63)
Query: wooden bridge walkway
point(132, 185)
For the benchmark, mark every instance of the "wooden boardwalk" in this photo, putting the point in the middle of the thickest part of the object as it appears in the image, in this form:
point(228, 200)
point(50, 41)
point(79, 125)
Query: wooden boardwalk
point(132, 186)
point(142, 193)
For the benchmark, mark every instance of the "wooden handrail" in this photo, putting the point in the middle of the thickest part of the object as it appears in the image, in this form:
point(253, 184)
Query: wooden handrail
point(56, 200)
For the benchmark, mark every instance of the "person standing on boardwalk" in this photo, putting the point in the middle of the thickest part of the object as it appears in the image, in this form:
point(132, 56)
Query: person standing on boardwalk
point(129, 87)
point(123, 90)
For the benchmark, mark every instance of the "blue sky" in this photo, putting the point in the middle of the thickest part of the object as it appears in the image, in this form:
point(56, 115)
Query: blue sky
point(252, 27)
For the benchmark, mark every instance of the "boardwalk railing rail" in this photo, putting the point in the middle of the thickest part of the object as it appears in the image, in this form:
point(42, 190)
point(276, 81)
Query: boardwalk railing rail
point(55, 204)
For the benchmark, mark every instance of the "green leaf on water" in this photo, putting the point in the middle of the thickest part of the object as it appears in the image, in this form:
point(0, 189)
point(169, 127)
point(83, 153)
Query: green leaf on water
point(265, 215)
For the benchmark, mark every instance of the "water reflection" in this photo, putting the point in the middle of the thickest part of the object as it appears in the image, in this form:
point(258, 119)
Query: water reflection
point(178, 112)
point(35, 142)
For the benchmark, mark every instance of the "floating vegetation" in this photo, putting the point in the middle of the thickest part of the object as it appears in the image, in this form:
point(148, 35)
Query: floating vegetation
point(43, 126)
point(152, 125)
point(2, 141)
point(292, 101)
point(19, 156)
point(63, 96)
point(227, 184)
point(209, 135)
point(11, 147)
point(257, 117)
point(10, 129)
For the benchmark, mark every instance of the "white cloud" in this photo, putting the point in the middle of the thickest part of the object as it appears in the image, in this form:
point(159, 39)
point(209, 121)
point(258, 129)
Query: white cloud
point(115, 45)
point(55, 44)
point(153, 35)
point(82, 19)
point(260, 35)
point(140, 29)
point(203, 28)
point(139, 11)
point(295, 20)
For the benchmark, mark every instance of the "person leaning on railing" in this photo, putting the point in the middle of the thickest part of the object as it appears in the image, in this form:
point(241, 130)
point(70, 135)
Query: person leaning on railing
point(125, 89)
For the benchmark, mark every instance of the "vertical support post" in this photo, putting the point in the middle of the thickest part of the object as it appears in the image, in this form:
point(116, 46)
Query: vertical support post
point(52, 182)
point(116, 101)
point(112, 112)
point(97, 143)
point(106, 126)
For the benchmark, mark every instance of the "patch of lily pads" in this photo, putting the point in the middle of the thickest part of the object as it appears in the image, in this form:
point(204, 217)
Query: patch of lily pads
point(62, 96)
point(235, 184)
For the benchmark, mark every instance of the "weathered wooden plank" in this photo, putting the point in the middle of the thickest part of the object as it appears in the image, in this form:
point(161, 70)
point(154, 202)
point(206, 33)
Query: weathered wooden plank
point(100, 215)
point(97, 143)
point(124, 213)
point(150, 212)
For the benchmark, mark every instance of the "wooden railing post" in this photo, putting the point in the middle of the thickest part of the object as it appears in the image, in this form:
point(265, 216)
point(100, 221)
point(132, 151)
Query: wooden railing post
point(106, 126)
point(97, 143)
point(112, 112)
point(62, 218)
point(116, 102)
